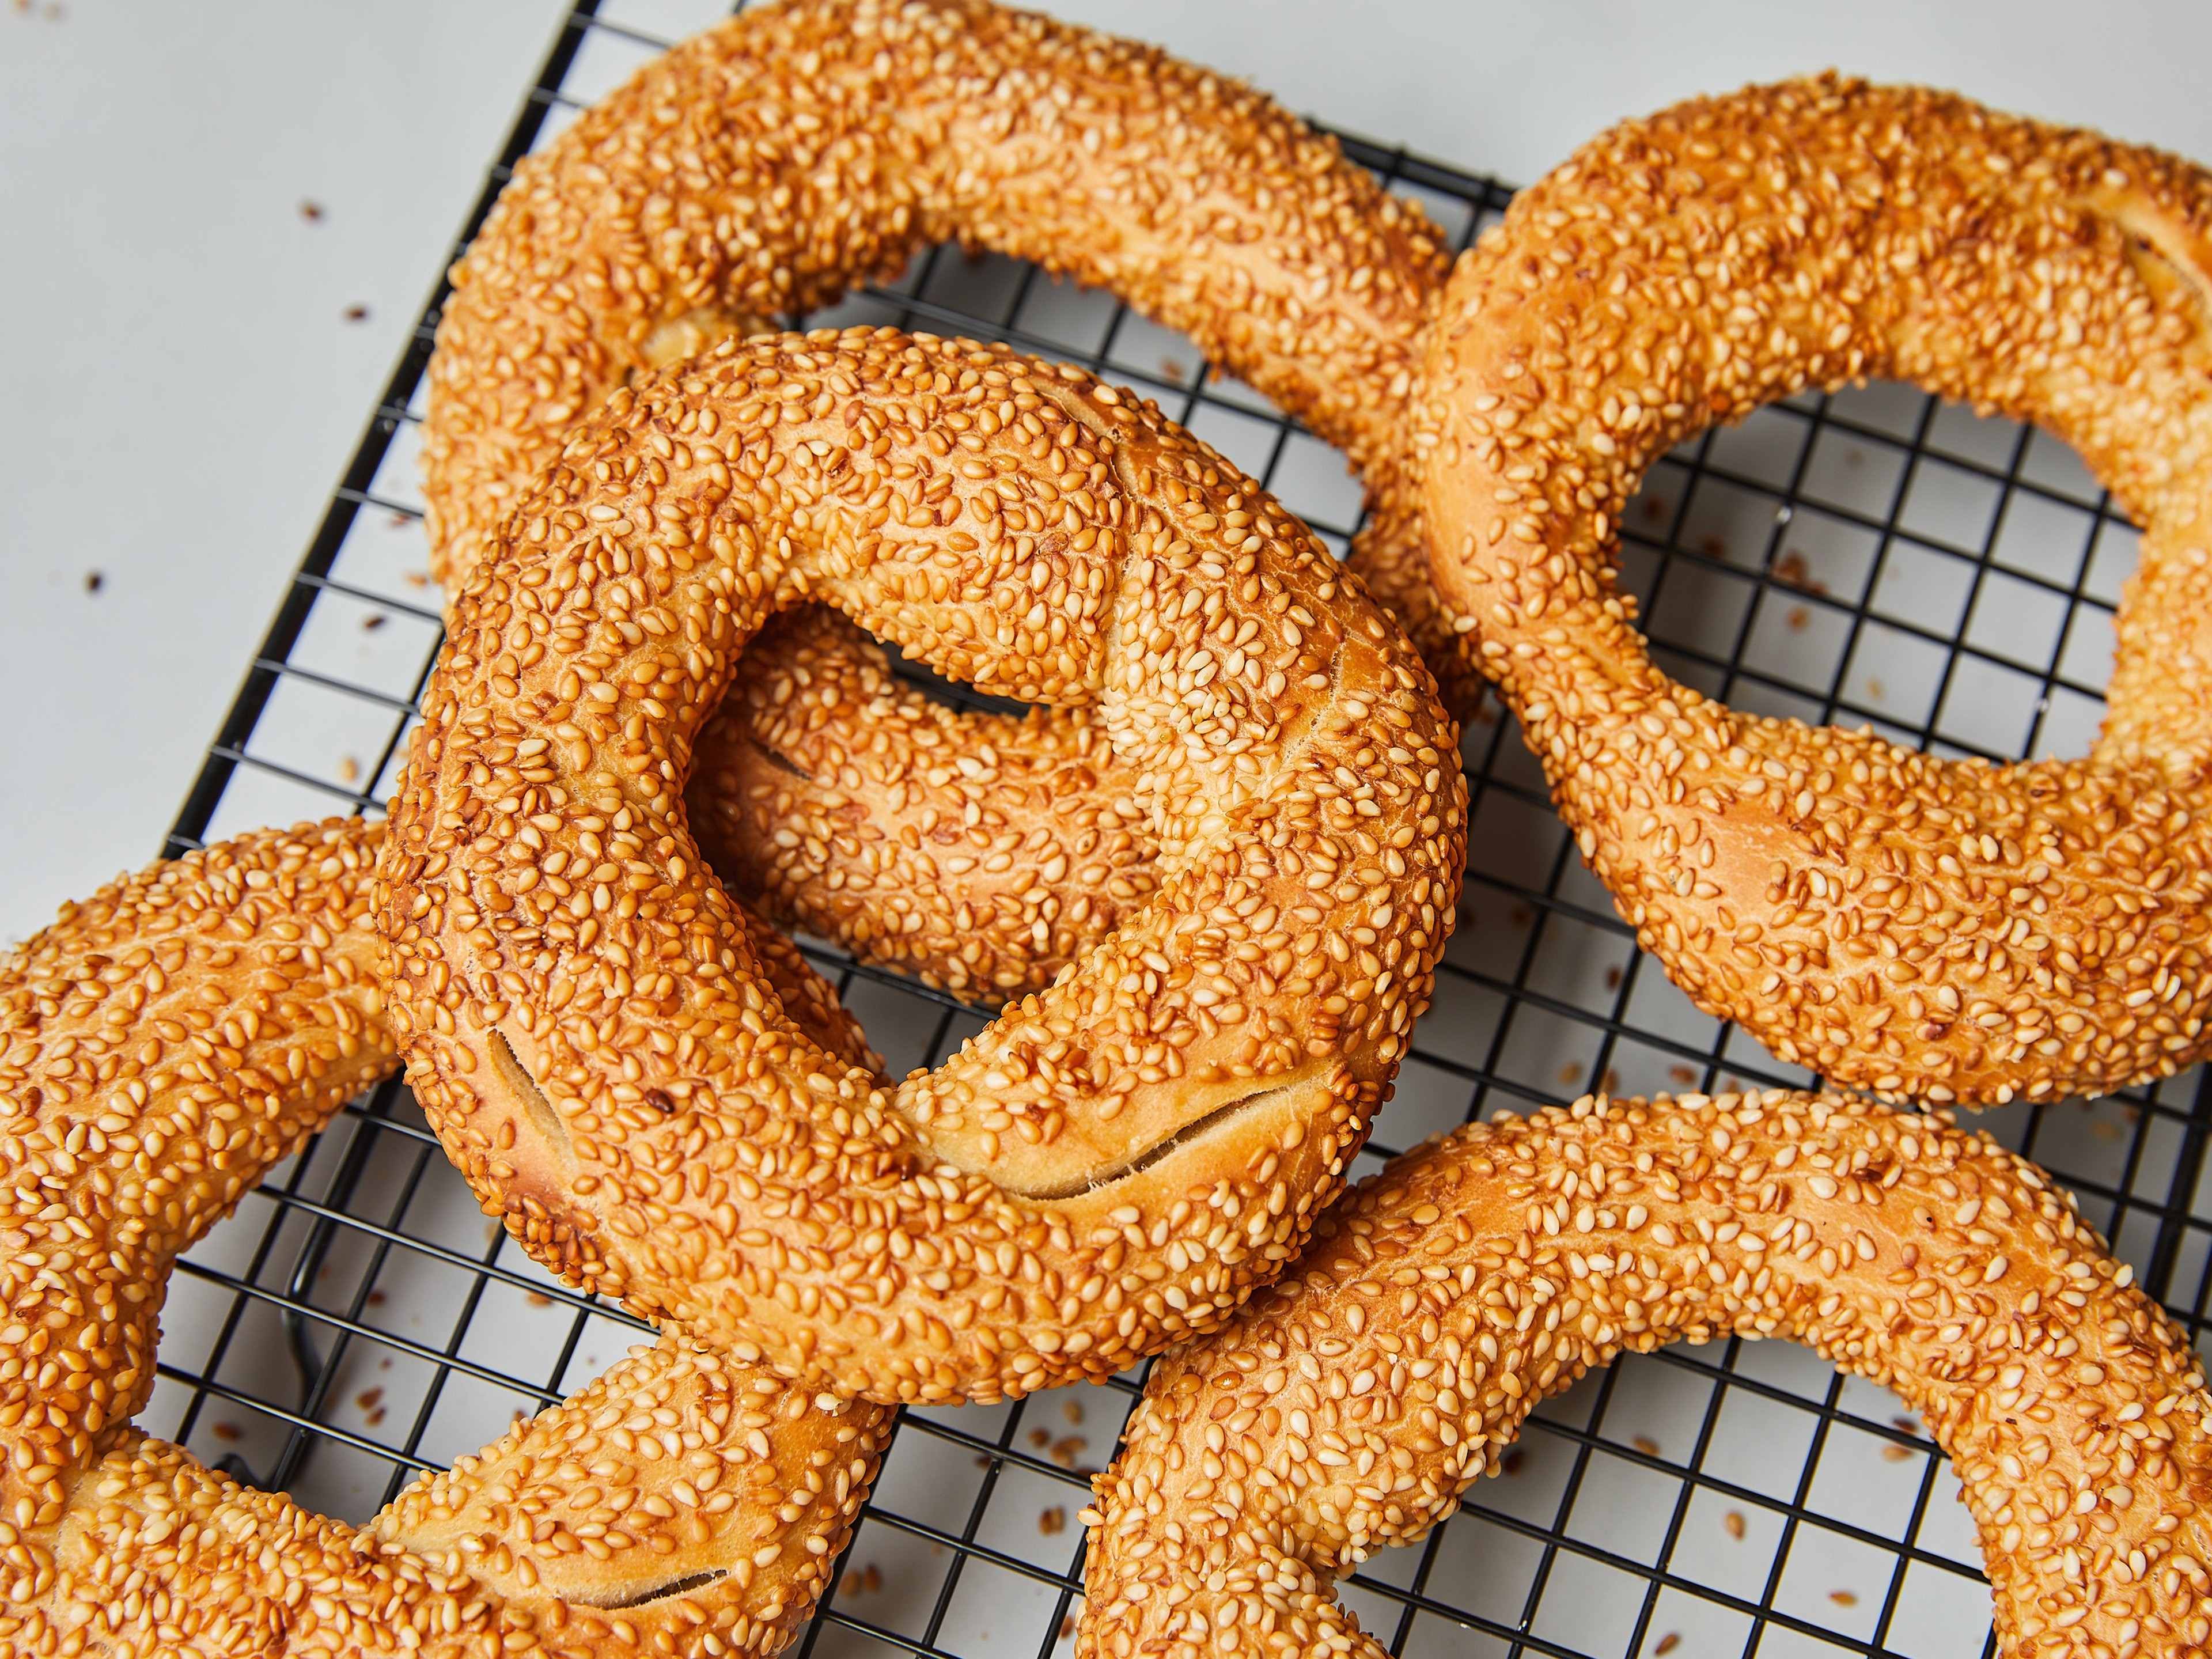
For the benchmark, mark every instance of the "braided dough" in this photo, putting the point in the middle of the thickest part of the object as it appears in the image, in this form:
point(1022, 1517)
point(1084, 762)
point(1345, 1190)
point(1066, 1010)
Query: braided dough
point(1947, 930)
point(162, 1045)
point(1494, 1267)
point(1121, 1159)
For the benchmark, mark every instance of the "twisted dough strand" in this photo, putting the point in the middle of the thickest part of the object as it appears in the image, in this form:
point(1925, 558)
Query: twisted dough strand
point(981, 853)
point(1350, 1405)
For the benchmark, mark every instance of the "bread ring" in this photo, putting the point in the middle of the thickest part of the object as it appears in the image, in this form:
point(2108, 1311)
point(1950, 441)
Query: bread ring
point(844, 136)
point(1491, 1267)
point(590, 1052)
point(1946, 930)
point(161, 1047)
point(980, 853)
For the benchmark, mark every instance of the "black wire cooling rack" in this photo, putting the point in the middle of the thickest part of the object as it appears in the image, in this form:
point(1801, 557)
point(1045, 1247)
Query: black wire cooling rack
point(1873, 555)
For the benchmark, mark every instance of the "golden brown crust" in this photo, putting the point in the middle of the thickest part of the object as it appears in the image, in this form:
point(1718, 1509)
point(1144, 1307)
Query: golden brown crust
point(844, 134)
point(810, 1000)
point(1350, 1405)
point(597, 1059)
point(980, 853)
point(161, 1046)
point(1950, 931)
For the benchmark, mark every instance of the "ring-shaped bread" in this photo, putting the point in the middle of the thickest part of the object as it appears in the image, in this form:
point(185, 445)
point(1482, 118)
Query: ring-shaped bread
point(1954, 931)
point(763, 169)
point(1350, 1405)
point(1117, 1161)
point(161, 1047)
point(772, 163)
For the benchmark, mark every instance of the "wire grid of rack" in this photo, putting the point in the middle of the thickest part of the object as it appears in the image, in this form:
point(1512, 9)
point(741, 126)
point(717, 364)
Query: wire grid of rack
point(1872, 555)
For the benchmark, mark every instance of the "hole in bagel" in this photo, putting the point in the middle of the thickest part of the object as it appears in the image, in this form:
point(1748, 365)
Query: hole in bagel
point(542, 1118)
point(690, 1581)
point(953, 694)
point(1137, 1163)
point(1760, 575)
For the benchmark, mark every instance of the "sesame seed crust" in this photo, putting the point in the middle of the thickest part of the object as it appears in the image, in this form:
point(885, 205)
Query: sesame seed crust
point(765, 166)
point(1949, 931)
point(161, 1046)
point(1119, 1159)
point(1350, 1405)
point(980, 853)
point(843, 137)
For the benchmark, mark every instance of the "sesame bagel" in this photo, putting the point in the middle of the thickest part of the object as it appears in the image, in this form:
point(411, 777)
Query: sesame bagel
point(1951, 930)
point(838, 138)
point(1493, 1268)
point(161, 1047)
point(1120, 1160)
point(764, 167)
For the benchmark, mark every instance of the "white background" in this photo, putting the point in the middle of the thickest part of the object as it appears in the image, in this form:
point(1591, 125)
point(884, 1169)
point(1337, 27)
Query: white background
point(179, 386)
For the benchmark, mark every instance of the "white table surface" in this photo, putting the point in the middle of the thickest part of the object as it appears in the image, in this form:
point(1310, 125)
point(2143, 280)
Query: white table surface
point(179, 385)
